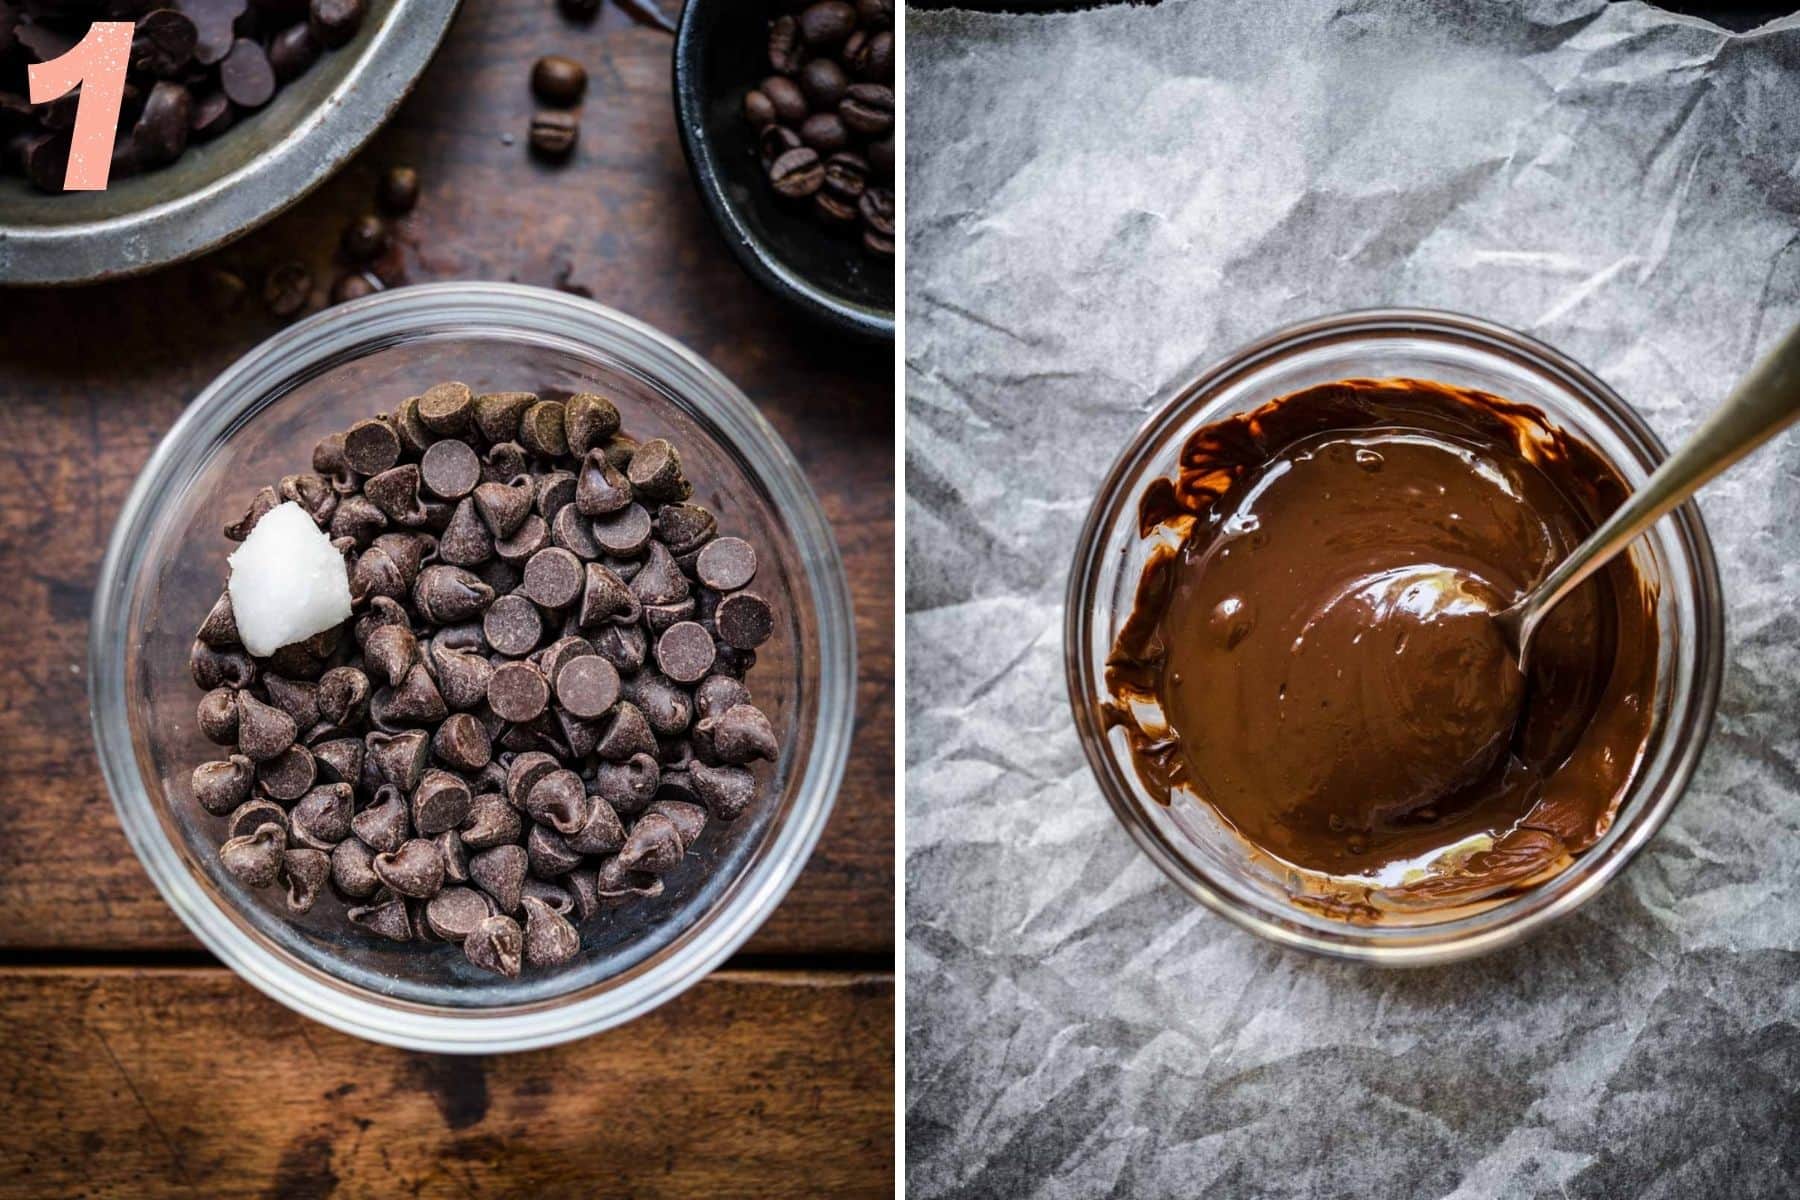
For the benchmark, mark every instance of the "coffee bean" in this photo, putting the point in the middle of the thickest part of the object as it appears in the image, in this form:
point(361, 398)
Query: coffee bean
point(558, 81)
point(255, 859)
point(553, 135)
point(877, 209)
point(786, 97)
point(744, 620)
point(785, 50)
point(305, 871)
point(246, 75)
point(877, 63)
point(496, 944)
point(759, 110)
point(500, 872)
point(335, 22)
point(868, 109)
point(876, 14)
point(685, 652)
point(512, 626)
point(833, 210)
point(775, 141)
point(847, 175)
point(824, 133)
point(826, 24)
point(798, 173)
point(386, 917)
point(823, 82)
point(293, 51)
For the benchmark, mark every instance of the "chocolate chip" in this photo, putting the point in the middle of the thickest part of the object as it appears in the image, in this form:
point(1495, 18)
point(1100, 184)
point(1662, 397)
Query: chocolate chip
point(600, 832)
point(322, 817)
point(500, 872)
point(606, 597)
point(371, 447)
point(440, 802)
point(524, 773)
point(726, 791)
point(335, 22)
point(497, 415)
point(628, 786)
point(450, 469)
point(744, 620)
point(414, 701)
point(588, 420)
point(353, 869)
point(512, 626)
point(390, 650)
point(455, 912)
point(491, 822)
point(357, 519)
point(726, 564)
point(655, 471)
point(387, 917)
point(532, 535)
point(624, 646)
point(340, 760)
point(548, 854)
point(653, 846)
point(293, 51)
point(615, 885)
point(660, 581)
point(517, 692)
point(217, 716)
point(573, 532)
point(496, 944)
point(455, 855)
point(553, 578)
point(600, 486)
point(623, 534)
point(461, 743)
point(288, 775)
point(416, 869)
point(247, 817)
point(685, 652)
point(255, 859)
point(587, 686)
point(463, 678)
point(263, 730)
point(305, 870)
point(554, 492)
point(504, 506)
point(445, 594)
point(212, 668)
point(246, 76)
point(383, 826)
point(668, 708)
point(399, 758)
point(561, 653)
point(219, 787)
point(559, 800)
point(684, 528)
point(396, 493)
point(466, 540)
point(688, 819)
point(549, 938)
point(446, 408)
point(219, 630)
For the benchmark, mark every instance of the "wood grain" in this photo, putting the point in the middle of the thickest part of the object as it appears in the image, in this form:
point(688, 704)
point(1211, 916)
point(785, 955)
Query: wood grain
point(151, 1083)
point(90, 378)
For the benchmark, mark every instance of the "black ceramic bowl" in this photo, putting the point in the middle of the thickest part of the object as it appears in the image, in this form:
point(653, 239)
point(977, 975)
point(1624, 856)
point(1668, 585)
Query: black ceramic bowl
point(721, 52)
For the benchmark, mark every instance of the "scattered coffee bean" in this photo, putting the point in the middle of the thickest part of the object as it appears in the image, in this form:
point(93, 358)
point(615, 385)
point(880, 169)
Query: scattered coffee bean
point(398, 192)
point(558, 81)
point(553, 135)
point(287, 289)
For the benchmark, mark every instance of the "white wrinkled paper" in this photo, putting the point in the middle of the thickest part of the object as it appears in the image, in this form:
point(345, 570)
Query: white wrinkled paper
point(1102, 203)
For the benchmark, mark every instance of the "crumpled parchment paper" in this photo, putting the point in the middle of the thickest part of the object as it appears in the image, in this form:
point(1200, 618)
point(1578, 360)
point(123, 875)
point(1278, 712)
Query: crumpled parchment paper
point(1100, 204)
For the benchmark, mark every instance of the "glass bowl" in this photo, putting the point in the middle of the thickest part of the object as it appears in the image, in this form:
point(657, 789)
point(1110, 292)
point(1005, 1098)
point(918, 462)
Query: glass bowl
point(1183, 838)
point(166, 564)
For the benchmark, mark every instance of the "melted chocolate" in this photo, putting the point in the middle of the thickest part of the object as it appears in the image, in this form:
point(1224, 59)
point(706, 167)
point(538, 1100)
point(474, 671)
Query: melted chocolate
point(1313, 653)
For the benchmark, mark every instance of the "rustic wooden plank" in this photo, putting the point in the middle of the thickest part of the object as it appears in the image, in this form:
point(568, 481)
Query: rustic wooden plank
point(149, 1083)
point(91, 377)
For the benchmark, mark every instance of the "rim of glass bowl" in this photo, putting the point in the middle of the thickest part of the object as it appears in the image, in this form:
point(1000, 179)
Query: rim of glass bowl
point(557, 321)
point(1688, 725)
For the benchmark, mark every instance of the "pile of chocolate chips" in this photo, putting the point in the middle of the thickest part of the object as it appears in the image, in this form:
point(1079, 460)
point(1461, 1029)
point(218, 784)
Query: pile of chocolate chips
point(538, 703)
point(825, 120)
point(196, 67)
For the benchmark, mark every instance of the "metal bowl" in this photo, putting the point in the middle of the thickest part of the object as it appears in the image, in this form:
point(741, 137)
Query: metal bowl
point(217, 191)
point(720, 54)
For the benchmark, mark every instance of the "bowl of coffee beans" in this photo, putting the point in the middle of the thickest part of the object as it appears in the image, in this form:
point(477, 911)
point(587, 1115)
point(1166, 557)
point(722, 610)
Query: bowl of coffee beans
point(472, 667)
point(787, 118)
point(232, 111)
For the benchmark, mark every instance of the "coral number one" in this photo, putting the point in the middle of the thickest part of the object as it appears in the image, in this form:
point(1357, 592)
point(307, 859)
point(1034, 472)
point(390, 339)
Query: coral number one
point(97, 64)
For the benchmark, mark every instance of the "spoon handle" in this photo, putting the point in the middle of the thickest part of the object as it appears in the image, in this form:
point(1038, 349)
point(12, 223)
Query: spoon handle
point(1764, 403)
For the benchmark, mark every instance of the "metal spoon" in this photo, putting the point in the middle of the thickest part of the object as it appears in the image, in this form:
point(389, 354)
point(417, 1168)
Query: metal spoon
point(1764, 403)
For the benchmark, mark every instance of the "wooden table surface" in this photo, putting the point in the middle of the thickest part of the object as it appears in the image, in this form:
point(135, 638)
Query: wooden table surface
point(138, 1067)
